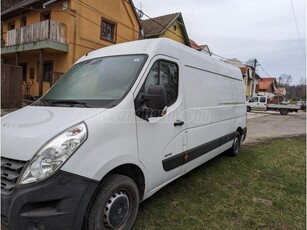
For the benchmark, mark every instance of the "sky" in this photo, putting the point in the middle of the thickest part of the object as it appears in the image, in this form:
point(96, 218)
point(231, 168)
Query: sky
point(245, 29)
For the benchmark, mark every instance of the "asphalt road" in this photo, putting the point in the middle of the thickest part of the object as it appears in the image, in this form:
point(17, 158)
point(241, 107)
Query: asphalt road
point(262, 125)
point(265, 125)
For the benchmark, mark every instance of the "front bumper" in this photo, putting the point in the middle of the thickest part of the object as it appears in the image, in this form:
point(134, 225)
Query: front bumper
point(59, 202)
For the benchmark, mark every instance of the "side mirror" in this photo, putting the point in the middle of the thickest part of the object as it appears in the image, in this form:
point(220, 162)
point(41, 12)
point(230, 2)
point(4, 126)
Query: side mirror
point(154, 102)
point(156, 98)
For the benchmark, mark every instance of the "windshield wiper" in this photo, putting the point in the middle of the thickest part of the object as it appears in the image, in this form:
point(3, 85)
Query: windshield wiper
point(72, 103)
point(40, 102)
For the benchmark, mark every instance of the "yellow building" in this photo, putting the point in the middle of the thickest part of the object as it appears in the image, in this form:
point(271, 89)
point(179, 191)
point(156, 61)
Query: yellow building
point(46, 39)
point(168, 26)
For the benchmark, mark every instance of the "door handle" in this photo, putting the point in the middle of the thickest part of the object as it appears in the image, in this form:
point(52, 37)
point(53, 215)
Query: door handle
point(178, 123)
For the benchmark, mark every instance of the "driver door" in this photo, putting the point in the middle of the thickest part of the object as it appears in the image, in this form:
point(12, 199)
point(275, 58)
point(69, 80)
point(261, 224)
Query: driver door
point(161, 137)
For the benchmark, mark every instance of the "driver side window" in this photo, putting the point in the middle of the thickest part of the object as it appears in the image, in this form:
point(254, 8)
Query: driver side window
point(160, 89)
point(164, 73)
point(254, 99)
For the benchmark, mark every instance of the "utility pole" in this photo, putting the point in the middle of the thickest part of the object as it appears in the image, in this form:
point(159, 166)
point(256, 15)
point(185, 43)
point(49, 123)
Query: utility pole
point(254, 78)
point(255, 64)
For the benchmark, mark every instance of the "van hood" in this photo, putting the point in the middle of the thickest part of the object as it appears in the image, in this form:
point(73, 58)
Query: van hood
point(25, 131)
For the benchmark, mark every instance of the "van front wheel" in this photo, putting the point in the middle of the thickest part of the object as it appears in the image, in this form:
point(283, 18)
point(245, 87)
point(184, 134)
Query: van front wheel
point(115, 205)
point(235, 148)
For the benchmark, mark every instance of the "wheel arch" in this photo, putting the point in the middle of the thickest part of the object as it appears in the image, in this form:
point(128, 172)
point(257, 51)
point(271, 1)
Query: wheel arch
point(134, 172)
point(130, 170)
point(240, 130)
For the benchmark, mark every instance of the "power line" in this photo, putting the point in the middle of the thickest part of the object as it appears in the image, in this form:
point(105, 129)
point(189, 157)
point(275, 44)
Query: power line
point(102, 13)
point(265, 71)
point(165, 28)
point(229, 59)
point(20, 7)
point(242, 63)
point(90, 8)
point(298, 32)
point(221, 56)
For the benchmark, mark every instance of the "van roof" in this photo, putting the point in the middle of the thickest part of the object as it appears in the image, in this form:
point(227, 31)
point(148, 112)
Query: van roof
point(146, 46)
point(164, 46)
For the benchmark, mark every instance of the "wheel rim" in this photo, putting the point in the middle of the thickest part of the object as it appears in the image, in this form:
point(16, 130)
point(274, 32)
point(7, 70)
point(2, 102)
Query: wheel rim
point(236, 145)
point(116, 210)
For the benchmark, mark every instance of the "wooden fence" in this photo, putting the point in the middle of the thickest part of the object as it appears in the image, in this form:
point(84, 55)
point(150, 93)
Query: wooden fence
point(11, 86)
point(45, 30)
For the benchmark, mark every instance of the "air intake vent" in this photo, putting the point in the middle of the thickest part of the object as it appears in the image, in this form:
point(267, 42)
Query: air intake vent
point(10, 171)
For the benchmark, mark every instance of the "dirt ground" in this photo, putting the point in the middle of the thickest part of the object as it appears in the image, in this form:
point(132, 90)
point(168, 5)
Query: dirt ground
point(263, 125)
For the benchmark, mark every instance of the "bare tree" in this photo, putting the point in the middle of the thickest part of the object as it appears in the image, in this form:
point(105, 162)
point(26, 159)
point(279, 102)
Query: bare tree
point(303, 81)
point(284, 79)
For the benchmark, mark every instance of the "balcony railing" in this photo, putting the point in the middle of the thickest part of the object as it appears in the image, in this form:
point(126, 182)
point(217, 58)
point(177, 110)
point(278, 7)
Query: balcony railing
point(42, 31)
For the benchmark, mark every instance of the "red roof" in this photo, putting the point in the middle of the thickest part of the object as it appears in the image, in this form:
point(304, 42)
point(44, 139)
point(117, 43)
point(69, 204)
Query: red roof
point(194, 45)
point(266, 82)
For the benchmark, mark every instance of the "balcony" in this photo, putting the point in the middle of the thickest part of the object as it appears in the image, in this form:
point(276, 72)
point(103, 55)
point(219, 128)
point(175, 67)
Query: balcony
point(47, 34)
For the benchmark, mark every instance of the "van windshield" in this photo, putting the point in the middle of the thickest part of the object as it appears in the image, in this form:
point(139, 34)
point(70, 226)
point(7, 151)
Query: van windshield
point(100, 82)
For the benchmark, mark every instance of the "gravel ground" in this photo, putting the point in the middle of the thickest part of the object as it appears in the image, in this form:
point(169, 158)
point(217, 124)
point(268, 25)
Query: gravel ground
point(263, 125)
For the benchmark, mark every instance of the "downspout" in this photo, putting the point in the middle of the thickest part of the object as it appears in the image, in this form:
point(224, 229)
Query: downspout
point(48, 3)
point(75, 40)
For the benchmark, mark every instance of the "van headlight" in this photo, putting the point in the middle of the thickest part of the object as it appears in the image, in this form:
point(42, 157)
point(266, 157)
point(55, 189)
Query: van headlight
point(54, 154)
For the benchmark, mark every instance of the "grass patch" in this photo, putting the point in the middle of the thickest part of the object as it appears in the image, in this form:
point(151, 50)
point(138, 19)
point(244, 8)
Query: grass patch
point(262, 188)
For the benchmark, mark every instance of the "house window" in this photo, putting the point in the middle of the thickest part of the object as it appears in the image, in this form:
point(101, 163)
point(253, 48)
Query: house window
point(108, 29)
point(48, 68)
point(23, 21)
point(11, 26)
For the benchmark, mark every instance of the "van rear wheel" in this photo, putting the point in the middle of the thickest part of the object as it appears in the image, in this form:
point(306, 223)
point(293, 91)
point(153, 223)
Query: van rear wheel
point(235, 148)
point(115, 205)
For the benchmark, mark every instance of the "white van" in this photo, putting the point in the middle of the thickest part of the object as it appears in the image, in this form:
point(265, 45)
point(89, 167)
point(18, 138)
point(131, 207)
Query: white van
point(122, 123)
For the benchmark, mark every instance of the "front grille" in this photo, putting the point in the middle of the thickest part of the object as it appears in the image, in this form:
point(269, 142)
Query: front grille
point(10, 171)
point(4, 220)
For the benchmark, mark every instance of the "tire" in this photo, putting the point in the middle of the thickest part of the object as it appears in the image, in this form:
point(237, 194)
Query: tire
point(248, 109)
point(235, 148)
point(284, 111)
point(115, 205)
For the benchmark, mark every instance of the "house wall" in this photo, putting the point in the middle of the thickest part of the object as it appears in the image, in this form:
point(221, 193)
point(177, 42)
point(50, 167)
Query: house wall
point(88, 20)
point(264, 93)
point(83, 28)
point(248, 82)
point(176, 35)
